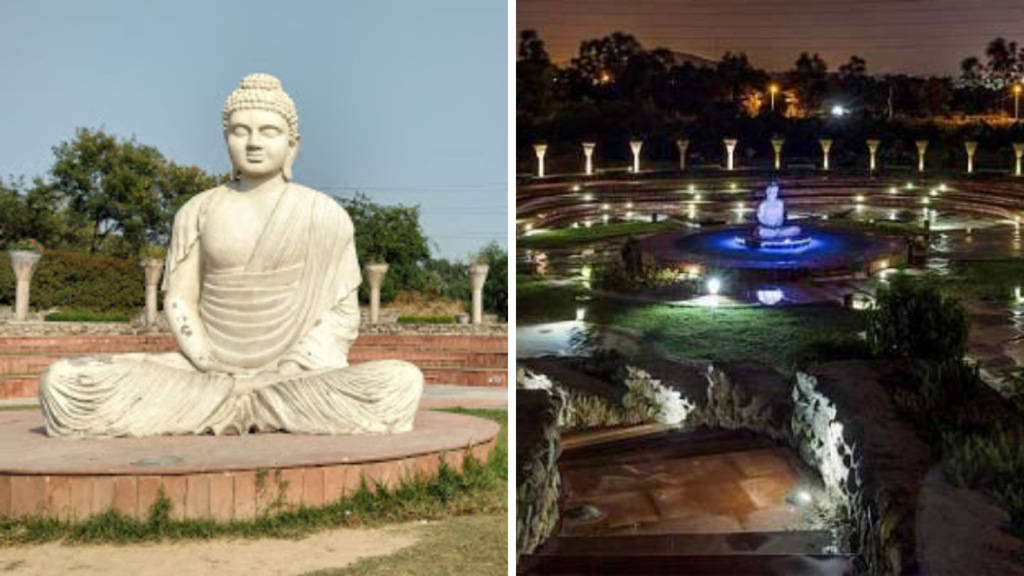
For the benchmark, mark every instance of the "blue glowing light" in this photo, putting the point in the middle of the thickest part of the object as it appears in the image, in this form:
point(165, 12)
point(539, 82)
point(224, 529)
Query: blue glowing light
point(726, 247)
point(770, 296)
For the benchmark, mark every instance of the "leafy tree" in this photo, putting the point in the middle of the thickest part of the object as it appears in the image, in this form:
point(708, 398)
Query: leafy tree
point(496, 288)
point(14, 220)
point(534, 74)
point(809, 77)
point(604, 60)
point(736, 76)
point(111, 185)
point(390, 234)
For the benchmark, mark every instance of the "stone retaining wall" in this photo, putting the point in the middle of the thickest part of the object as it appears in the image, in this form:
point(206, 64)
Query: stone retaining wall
point(749, 396)
point(537, 480)
point(872, 462)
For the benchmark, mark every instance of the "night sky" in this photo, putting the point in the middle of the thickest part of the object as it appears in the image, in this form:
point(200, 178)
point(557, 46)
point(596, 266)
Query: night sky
point(909, 36)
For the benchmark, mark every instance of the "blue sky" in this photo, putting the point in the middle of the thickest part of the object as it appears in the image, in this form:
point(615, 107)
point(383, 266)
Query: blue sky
point(404, 100)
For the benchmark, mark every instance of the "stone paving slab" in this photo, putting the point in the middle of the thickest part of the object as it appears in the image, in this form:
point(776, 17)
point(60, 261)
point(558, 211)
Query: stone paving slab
point(25, 449)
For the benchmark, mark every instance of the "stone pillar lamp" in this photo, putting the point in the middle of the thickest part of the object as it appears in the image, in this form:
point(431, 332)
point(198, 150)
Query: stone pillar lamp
point(1018, 152)
point(826, 147)
point(971, 147)
point(375, 274)
point(153, 269)
point(682, 144)
point(636, 146)
point(477, 277)
point(540, 150)
point(730, 147)
point(777, 143)
point(922, 147)
point(588, 152)
point(873, 151)
point(24, 264)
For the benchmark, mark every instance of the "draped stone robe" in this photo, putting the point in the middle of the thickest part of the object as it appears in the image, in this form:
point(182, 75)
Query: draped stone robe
point(294, 300)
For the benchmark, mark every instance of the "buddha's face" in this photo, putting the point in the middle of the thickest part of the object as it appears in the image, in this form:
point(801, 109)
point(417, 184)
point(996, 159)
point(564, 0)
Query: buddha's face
point(772, 192)
point(259, 143)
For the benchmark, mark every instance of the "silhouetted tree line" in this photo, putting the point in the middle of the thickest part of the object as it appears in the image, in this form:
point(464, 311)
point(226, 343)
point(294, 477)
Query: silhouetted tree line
point(615, 89)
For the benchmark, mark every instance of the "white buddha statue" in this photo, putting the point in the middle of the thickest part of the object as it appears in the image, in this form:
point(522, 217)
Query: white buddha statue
point(261, 293)
point(771, 217)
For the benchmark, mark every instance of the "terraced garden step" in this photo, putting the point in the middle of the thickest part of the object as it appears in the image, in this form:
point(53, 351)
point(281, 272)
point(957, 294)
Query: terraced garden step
point(658, 444)
point(753, 553)
point(27, 386)
point(803, 542)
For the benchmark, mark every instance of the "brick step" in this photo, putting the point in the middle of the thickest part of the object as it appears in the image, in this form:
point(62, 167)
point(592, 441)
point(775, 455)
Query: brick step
point(27, 386)
point(485, 377)
point(11, 364)
point(18, 387)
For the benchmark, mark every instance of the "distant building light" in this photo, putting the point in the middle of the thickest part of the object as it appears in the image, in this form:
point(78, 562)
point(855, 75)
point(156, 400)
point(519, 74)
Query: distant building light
point(839, 111)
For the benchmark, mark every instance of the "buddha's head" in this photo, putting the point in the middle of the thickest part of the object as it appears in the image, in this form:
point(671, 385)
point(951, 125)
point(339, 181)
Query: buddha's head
point(772, 191)
point(261, 127)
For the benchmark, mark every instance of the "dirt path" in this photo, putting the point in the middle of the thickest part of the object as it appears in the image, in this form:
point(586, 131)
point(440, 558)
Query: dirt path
point(266, 557)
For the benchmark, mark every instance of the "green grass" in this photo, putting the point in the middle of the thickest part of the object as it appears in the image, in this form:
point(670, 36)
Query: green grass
point(427, 319)
point(88, 316)
point(777, 336)
point(983, 279)
point(538, 301)
point(476, 545)
point(888, 227)
point(566, 237)
point(482, 488)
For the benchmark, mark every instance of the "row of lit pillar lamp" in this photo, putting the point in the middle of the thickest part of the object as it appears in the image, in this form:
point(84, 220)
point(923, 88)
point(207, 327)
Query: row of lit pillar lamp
point(730, 146)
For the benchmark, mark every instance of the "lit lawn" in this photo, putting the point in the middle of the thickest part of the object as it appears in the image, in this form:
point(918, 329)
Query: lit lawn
point(777, 336)
point(566, 237)
point(537, 300)
point(476, 545)
point(984, 279)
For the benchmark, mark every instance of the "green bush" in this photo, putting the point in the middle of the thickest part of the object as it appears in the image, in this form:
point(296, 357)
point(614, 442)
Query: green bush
point(88, 316)
point(940, 398)
point(915, 319)
point(427, 319)
point(80, 281)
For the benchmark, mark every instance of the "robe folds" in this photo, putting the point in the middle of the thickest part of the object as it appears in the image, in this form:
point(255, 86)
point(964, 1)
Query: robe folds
point(294, 300)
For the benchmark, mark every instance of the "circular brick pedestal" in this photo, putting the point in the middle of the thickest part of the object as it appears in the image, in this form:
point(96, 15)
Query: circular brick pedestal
point(219, 477)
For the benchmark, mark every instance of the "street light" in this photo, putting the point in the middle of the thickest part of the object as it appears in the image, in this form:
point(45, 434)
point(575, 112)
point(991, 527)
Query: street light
point(772, 89)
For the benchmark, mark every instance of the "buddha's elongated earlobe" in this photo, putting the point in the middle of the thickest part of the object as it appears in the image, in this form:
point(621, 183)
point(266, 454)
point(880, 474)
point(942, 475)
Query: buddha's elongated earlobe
point(286, 170)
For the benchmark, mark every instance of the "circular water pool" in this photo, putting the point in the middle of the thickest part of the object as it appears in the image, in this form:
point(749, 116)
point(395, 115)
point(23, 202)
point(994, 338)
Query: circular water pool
point(828, 248)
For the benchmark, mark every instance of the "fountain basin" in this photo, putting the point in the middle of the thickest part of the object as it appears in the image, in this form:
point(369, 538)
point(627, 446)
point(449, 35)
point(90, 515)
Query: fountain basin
point(820, 250)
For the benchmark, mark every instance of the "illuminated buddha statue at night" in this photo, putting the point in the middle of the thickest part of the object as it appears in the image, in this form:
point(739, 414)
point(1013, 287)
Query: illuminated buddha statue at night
point(771, 217)
point(261, 287)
